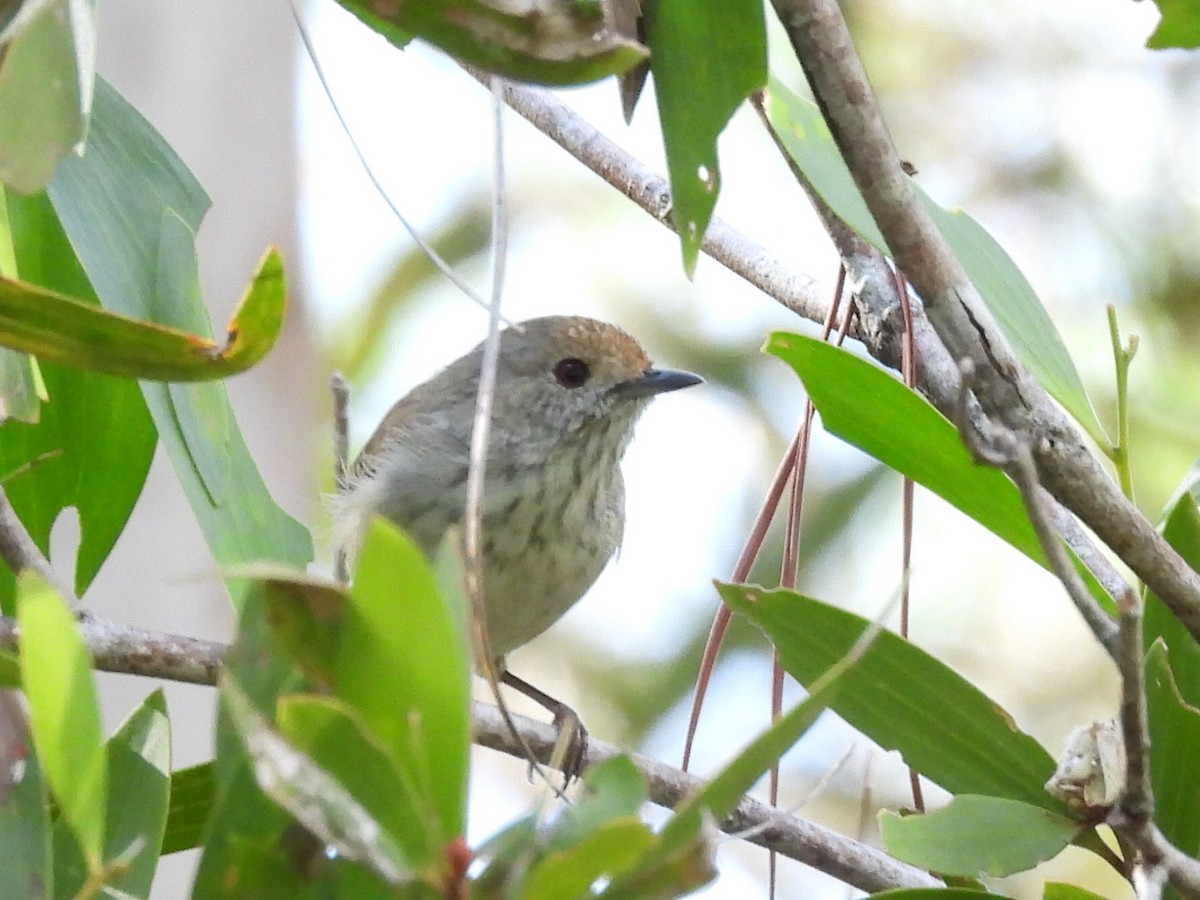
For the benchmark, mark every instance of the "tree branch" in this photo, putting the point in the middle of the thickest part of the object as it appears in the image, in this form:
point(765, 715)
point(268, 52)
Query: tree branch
point(135, 651)
point(853, 862)
point(119, 648)
point(1007, 393)
point(805, 296)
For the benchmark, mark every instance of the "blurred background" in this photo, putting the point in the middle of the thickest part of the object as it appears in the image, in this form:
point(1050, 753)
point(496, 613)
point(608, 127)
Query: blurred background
point(1051, 123)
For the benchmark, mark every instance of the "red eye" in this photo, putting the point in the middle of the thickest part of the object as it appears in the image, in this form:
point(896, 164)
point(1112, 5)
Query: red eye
point(572, 372)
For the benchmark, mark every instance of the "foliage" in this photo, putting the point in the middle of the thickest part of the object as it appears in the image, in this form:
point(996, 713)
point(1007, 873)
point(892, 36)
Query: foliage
point(342, 759)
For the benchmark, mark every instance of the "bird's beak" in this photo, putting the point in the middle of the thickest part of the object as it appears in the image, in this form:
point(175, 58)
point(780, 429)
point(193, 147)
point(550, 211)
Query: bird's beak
point(657, 381)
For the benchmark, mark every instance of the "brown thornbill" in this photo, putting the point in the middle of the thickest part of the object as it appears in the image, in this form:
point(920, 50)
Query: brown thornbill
point(568, 393)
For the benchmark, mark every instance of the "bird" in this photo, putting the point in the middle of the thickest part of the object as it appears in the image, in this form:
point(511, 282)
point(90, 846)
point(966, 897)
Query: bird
point(569, 391)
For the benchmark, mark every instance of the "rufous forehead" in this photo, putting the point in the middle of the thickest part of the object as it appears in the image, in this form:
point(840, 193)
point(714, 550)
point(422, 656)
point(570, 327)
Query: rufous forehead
point(611, 352)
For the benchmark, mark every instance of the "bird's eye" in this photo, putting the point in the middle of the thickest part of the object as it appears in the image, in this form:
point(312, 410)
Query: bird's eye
point(572, 372)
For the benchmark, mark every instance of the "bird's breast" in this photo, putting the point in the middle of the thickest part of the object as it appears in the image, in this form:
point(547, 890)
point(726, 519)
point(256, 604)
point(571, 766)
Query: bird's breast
point(545, 545)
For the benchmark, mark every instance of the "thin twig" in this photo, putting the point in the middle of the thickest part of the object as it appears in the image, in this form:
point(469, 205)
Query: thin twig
point(444, 267)
point(1005, 449)
point(480, 432)
point(341, 459)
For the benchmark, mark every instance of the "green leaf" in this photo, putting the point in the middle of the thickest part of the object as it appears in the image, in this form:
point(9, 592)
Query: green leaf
point(682, 855)
point(1057, 890)
point(47, 63)
point(1173, 693)
point(609, 850)
point(611, 790)
point(21, 390)
point(936, 894)
point(247, 840)
point(1174, 730)
point(139, 764)
point(139, 778)
point(193, 794)
point(93, 446)
point(555, 44)
point(335, 738)
point(904, 699)
point(402, 663)
point(868, 408)
point(1005, 290)
point(974, 835)
point(10, 670)
point(1181, 529)
point(24, 812)
point(64, 715)
point(62, 329)
point(706, 59)
point(311, 794)
point(130, 208)
point(305, 614)
point(1179, 26)
point(507, 856)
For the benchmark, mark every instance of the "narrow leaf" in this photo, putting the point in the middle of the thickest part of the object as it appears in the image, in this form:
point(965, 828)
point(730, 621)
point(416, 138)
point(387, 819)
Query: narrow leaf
point(335, 738)
point(138, 763)
point(904, 699)
point(139, 779)
point(868, 408)
point(24, 808)
point(1174, 733)
point(93, 446)
point(1179, 26)
point(680, 850)
point(311, 794)
point(47, 63)
point(1057, 890)
point(609, 851)
point(62, 329)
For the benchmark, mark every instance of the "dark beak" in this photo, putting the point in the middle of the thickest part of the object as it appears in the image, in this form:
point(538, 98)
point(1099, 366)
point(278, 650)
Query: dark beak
point(657, 381)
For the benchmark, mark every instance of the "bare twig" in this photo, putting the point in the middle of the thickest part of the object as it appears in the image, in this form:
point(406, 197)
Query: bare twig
point(799, 293)
point(341, 459)
point(1005, 449)
point(851, 861)
point(135, 651)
